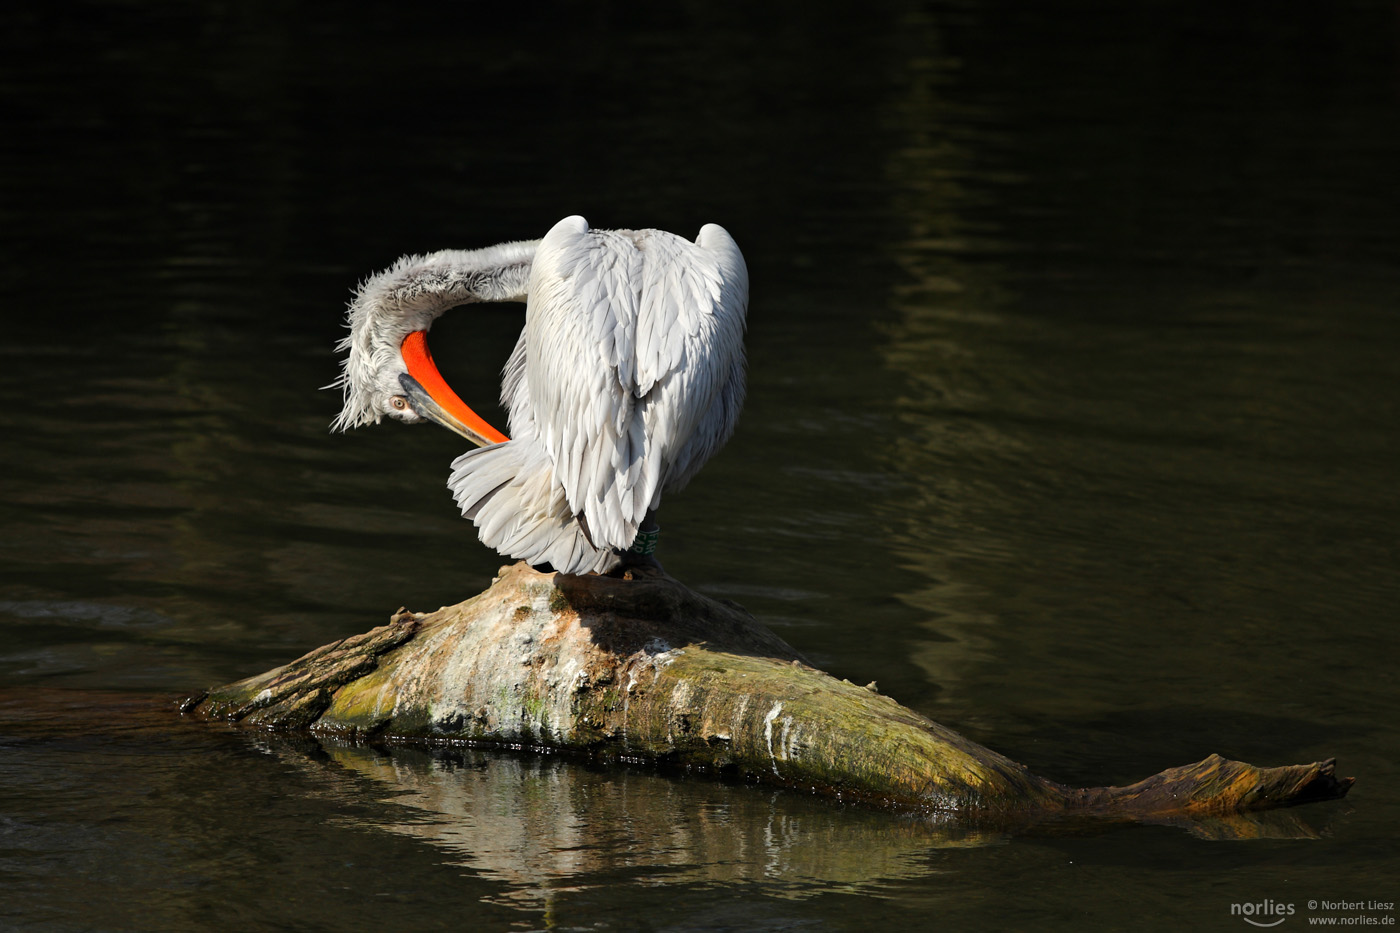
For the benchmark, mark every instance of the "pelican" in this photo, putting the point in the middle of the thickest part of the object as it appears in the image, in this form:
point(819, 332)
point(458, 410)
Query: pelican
point(628, 376)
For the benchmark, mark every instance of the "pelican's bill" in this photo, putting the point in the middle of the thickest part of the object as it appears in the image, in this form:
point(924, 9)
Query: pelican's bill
point(427, 407)
point(432, 398)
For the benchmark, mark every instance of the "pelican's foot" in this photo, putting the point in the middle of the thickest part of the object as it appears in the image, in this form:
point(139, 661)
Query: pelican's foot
point(634, 566)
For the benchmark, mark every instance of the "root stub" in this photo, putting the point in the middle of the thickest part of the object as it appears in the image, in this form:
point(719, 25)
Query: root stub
point(648, 669)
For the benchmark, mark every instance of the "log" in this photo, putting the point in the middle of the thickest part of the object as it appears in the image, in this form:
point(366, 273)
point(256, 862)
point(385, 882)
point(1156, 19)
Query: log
point(639, 668)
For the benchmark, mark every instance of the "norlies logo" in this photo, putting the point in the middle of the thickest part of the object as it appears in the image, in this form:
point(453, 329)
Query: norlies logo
point(1265, 913)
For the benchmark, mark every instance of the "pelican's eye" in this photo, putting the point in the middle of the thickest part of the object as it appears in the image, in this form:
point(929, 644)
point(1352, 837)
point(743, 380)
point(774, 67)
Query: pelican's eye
point(399, 402)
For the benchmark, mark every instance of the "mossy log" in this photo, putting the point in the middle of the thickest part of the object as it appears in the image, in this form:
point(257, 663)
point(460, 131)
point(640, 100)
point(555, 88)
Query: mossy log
point(640, 668)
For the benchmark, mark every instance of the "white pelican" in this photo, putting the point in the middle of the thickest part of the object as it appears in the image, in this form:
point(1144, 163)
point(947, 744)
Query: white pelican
point(628, 376)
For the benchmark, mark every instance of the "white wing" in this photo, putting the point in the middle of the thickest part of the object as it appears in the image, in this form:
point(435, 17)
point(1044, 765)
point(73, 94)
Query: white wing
point(633, 364)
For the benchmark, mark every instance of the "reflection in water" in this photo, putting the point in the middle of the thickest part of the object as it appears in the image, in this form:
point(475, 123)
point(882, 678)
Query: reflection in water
point(214, 813)
point(540, 825)
point(115, 813)
point(951, 297)
point(1149, 448)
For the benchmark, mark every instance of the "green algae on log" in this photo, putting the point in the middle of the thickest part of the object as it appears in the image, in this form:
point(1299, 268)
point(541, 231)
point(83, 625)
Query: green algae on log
point(642, 668)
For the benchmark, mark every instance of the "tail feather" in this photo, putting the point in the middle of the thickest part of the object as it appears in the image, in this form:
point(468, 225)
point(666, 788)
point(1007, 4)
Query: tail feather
point(518, 509)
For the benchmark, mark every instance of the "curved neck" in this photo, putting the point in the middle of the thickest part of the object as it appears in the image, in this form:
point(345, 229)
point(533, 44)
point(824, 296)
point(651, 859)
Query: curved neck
point(408, 297)
point(423, 287)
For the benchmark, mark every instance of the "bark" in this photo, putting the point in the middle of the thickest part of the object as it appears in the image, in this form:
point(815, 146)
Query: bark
point(640, 668)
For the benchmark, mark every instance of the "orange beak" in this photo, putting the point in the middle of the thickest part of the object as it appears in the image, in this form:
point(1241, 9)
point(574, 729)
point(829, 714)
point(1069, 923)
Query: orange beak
point(433, 398)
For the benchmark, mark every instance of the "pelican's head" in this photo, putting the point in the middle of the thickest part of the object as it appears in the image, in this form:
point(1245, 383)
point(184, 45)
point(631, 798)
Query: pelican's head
point(388, 371)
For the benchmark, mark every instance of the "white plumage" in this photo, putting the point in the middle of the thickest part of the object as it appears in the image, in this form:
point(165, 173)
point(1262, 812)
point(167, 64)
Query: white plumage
point(628, 376)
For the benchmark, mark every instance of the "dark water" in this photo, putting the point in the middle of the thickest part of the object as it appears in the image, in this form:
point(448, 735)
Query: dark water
point(1072, 421)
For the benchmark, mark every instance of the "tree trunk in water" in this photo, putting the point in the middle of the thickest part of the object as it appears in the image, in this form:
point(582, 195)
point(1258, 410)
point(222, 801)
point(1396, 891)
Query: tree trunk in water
point(642, 668)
